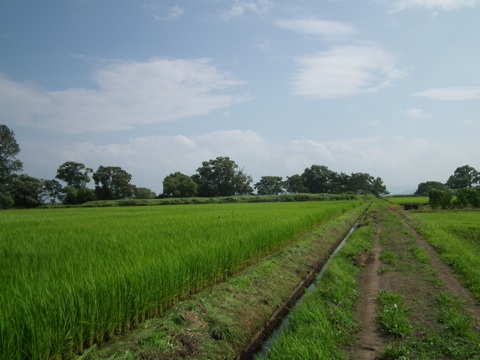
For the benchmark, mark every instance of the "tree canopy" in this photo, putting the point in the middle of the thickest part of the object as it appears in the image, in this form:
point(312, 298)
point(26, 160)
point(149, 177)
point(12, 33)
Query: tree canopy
point(222, 177)
point(112, 183)
point(74, 174)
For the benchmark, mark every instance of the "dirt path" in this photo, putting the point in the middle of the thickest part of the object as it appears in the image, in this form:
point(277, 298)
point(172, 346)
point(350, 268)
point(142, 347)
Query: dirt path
point(404, 277)
point(448, 278)
point(369, 341)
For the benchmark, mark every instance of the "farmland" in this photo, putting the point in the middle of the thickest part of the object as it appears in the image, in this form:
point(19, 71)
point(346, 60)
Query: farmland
point(74, 277)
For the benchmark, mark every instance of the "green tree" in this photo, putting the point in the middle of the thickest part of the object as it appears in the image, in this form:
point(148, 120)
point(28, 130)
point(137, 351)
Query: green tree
point(425, 187)
point(143, 193)
point(270, 185)
point(360, 183)
point(179, 185)
point(463, 177)
point(467, 197)
point(378, 188)
point(27, 191)
point(222, 177)
point(9, 164)
point(74, 196)
point(318, 179)
point(440, 198)
point(74, 174)
point(52, 189)
point(112, 183)
point(294, 185)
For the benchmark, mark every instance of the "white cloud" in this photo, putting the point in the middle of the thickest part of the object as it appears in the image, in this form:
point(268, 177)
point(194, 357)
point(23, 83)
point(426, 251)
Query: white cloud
point(344, 71)
point(127, 94)
point(241, 8)
point(331, 30)
point(451, 93)
point(444, 5)
point(164, 13)
point(416, 113)
point(401, 163)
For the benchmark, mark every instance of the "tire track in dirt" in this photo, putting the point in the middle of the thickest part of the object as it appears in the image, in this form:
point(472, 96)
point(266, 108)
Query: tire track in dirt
point(369, 342)
point(446, 275)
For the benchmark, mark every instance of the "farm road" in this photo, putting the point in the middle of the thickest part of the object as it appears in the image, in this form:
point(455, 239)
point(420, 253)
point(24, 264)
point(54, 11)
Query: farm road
point(417, 283)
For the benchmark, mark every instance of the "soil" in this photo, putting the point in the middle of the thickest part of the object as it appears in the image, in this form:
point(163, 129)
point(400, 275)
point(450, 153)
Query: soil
point(418, 287)
point(369, 340)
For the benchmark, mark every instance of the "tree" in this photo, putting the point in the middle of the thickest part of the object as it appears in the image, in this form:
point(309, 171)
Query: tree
point(378, 188)
point(270, 185)
point(112, 183)
point(74, 196)
point(27, 191)
point(463, 177)
point(74, 174)
point(9, 164)
point(52, 189)
point(222, 177)
point(143, 193)
point(425, 187)
point(440, 198)
point(294, 185)
point(179, 185)
point(318, 179)
point(360, 183)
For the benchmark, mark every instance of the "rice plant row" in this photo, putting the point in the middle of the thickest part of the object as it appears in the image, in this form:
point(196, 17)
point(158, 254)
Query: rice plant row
point(72, 277)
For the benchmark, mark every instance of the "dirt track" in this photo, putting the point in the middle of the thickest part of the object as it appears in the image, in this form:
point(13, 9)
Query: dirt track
point(418, 287)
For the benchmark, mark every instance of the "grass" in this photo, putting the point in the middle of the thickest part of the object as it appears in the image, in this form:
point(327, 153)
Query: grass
point(393, 315)
point(456, 237)
point(325, 320)
point(74, 277)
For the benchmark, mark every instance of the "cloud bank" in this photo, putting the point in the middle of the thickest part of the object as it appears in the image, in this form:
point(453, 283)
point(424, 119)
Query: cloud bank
point(127, 94)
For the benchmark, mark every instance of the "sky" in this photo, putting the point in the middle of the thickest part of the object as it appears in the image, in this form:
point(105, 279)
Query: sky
point(386, 87)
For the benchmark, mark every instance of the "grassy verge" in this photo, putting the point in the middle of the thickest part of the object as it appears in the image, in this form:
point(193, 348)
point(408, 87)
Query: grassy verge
point(325, 322)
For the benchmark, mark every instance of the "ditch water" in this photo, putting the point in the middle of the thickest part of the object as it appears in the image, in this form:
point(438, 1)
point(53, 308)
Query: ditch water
point(264, 350)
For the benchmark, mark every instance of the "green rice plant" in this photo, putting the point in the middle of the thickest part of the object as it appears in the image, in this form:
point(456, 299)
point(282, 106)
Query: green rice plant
point(74, 277)
point(388, 257)
point(393, 315)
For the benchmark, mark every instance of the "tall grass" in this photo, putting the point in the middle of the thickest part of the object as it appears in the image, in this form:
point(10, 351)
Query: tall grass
point(73, 277)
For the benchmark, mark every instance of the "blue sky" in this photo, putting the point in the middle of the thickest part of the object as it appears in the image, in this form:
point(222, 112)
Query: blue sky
point(387, 87)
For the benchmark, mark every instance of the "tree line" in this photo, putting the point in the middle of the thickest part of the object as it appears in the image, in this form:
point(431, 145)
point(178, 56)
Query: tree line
point(216, 177)
point(462, 189)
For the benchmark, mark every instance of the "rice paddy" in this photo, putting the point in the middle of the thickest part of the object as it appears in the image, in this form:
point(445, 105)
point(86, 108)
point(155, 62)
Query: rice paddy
point(72, 277)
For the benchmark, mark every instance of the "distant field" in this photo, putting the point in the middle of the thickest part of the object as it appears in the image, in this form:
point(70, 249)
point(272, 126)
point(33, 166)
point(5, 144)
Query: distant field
point(71, 277)
point(402, 200)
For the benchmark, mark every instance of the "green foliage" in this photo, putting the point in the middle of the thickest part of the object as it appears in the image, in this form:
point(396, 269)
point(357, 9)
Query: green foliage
point(425, 187)
point(112, 183)
point(294, 184)
point(467, 197)
point(222, 177)
point(393, 314)
point(26, 191)
point(270, 185)
point(440, 198)
point(74, 174)
point(52, 189)
point(9, 150)
point(74, 277)
point(178, 185)
point(77, 196)
point(463, 177)
point(143, 193)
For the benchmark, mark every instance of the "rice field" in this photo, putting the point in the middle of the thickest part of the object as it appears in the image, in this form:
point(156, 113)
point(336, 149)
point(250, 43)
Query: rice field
point(403, 200)
point(72, 277)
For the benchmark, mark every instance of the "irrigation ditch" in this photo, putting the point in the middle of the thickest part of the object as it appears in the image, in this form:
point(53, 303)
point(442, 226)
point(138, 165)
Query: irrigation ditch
point(234, 318)
point(261, 343)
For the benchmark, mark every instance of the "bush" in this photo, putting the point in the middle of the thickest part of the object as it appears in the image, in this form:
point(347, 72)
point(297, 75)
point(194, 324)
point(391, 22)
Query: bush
point(440, 198)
